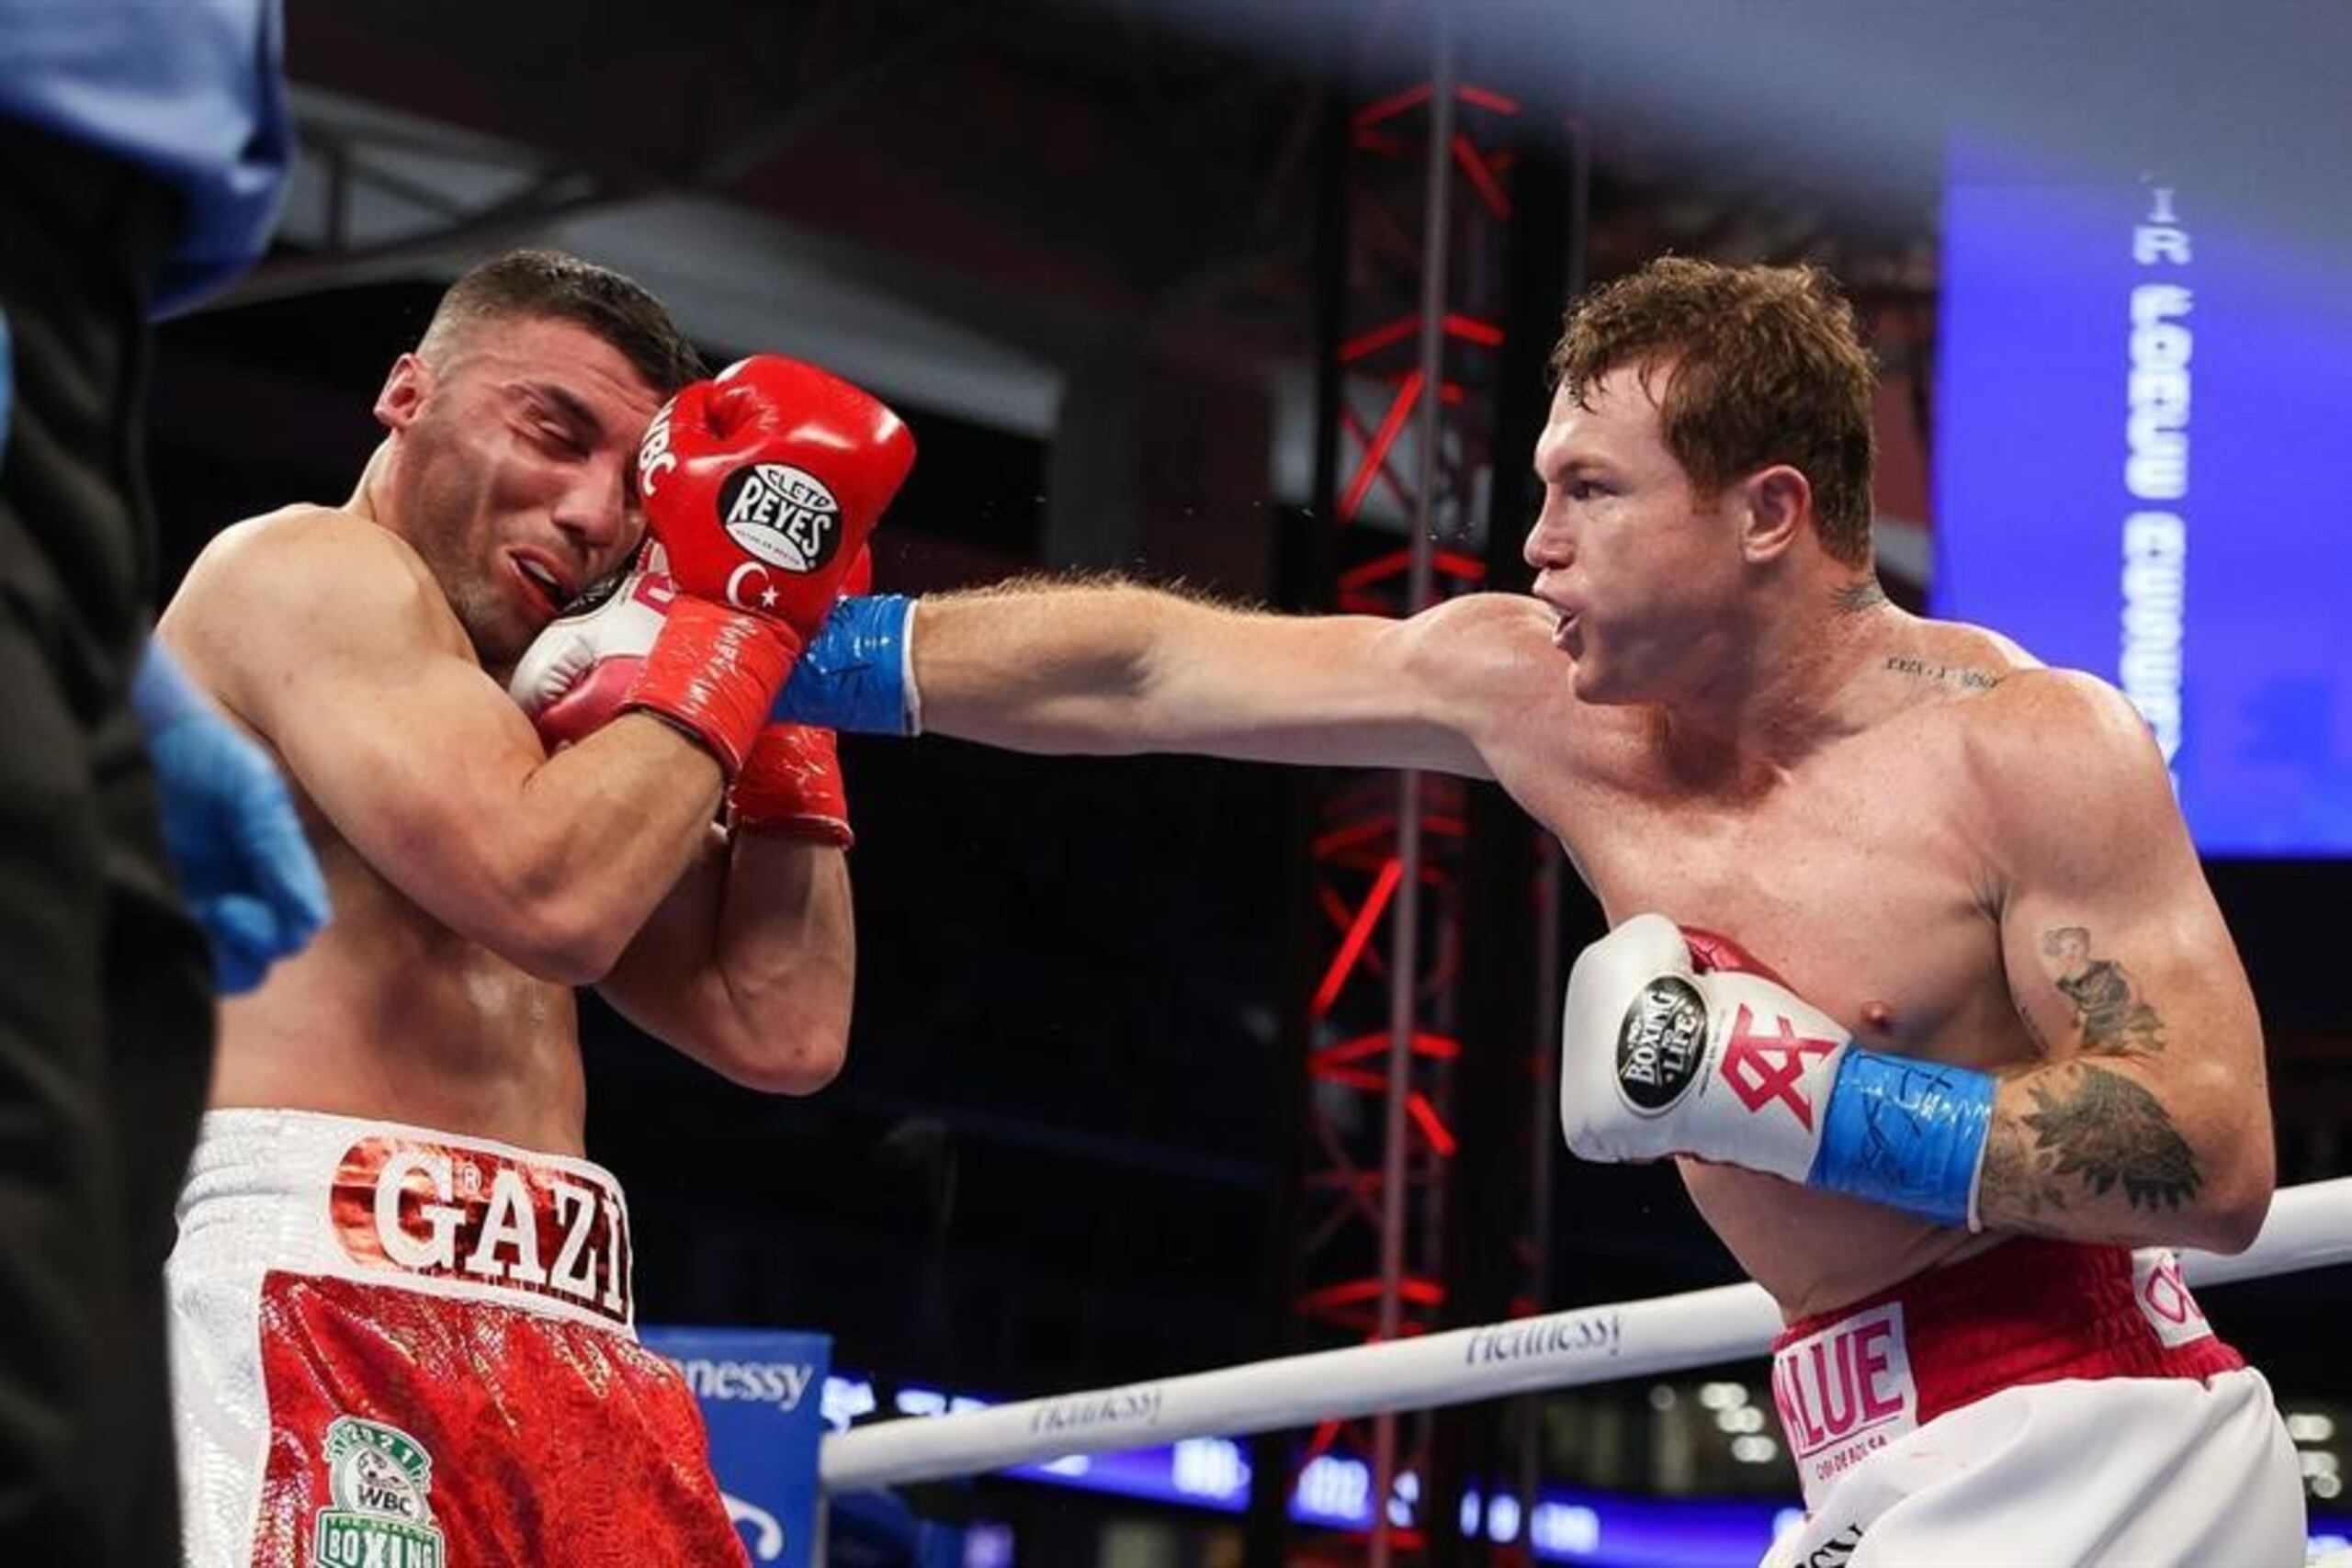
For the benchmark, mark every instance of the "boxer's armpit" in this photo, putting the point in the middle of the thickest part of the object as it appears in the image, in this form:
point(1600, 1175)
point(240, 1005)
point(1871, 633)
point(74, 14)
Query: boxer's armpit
point(2092, 1132)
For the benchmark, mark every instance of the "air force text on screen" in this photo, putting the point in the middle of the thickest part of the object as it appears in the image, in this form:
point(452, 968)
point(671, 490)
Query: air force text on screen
point(2156, 473)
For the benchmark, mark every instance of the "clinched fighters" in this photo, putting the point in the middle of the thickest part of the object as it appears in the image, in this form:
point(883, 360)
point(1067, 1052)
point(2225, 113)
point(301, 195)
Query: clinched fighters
point(2014, 1041)
point(396, 1273)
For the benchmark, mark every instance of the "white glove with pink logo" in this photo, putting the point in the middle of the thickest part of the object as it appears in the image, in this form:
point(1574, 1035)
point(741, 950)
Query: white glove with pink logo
point(1678, 1041)
point(577, 672)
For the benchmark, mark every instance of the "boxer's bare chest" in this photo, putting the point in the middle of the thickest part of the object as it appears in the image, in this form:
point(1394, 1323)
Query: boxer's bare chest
point(1859, 874)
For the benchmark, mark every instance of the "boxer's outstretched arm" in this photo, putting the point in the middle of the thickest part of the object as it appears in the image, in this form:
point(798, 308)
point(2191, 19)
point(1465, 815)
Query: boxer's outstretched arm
point(748, 965)
point(1117, 667)
point(328, 637)
point(2148, 1121)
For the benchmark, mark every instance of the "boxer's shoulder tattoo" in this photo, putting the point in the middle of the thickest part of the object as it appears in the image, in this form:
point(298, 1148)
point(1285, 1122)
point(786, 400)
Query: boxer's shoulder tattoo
point(1856, 597)
point(1962, 677)
point(2102, 1130)
point(2114, 1021)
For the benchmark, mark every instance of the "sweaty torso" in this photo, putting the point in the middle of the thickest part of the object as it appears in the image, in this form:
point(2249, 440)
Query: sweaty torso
point(1858, 873)
point(389, 1015)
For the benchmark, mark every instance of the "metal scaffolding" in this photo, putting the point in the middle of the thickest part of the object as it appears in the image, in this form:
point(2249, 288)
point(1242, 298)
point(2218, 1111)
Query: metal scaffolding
point(1409, 436)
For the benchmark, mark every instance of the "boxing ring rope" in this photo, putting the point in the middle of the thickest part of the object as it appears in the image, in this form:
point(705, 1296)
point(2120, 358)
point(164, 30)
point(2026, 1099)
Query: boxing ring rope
point(2308, 1227)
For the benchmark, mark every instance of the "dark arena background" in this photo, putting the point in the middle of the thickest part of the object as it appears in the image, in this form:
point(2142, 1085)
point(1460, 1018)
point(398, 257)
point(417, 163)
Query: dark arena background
point(1160, 286)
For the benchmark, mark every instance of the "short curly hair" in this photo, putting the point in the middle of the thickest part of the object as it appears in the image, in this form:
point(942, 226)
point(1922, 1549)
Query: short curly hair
point(531, 284)
point(1765, 365)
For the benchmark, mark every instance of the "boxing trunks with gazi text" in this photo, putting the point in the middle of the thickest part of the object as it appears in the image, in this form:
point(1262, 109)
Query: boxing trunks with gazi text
point(393, 1345)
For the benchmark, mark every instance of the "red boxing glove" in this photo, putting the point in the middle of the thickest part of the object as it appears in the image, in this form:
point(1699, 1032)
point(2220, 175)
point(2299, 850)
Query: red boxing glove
point(1714, 953)
point(791, 783)
point(711, 672)
point(764, 483)
point(762, 486)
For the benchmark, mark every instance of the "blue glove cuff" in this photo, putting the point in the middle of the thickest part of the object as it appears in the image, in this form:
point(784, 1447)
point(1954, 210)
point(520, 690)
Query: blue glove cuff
point(1907, 1134)
point(857, 672)
point(161, 694)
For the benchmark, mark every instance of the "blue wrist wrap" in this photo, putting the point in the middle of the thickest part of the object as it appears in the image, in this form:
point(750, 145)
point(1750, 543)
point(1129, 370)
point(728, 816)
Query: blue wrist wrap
point(853, 676)
point(1907, 1134)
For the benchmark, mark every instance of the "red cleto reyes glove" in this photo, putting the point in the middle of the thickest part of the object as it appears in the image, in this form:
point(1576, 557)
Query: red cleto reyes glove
point(584, 669)
point(761, 486)
point(791, 783)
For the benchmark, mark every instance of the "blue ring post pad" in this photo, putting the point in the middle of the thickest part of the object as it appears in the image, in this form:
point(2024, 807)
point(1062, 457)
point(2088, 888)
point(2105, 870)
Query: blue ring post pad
point(852, 675)
point(1905, 1134)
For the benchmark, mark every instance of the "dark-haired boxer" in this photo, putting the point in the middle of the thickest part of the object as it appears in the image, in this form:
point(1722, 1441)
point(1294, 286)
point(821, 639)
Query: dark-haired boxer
point(403, 1320)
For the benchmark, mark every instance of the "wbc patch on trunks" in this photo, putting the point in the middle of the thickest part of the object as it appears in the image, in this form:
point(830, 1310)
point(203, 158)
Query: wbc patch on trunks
point(380, 1479)
point(471, 1216)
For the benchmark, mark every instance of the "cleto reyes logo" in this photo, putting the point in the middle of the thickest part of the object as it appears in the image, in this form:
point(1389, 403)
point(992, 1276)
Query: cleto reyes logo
point(784, 516)
point(475, 1217)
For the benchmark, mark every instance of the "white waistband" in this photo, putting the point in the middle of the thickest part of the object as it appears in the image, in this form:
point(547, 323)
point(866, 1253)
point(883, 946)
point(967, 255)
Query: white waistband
point(410, 1207)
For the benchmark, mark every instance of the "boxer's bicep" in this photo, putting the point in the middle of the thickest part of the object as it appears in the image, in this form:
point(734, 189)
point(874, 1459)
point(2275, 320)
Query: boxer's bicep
point(2149, 1103)
point(2111, 940)
point(343, 656)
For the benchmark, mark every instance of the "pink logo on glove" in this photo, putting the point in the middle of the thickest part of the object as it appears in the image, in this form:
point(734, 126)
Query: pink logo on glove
point(1763, 1068)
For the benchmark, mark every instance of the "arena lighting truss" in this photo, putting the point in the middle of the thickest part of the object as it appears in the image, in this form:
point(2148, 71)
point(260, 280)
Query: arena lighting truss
point(1409, 438)
point(2308, 1227)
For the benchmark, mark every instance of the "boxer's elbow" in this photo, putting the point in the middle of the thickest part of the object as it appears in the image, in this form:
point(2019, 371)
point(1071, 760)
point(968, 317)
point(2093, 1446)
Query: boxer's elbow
point(797, 1057)
point(2234, 1153)
point(791, 1041)
point(563, 942)
point(2236, 1198)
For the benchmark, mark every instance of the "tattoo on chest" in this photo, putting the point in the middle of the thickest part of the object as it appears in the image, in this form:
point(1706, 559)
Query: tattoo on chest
point(2114, 1021)
point(1959, 676)
point(2091, 1131)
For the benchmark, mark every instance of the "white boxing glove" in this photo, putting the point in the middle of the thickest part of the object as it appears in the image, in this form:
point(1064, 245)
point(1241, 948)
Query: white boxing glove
point(1660, 1057)
point(574, 676)
point(1679, 1042)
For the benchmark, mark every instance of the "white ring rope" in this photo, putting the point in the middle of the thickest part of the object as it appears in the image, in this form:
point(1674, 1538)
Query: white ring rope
point(2308, 1227)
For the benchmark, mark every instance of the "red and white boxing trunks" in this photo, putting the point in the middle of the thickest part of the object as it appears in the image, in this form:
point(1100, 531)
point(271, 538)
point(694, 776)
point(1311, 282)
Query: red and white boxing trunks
point(2039, 1402)
point(401, 1348)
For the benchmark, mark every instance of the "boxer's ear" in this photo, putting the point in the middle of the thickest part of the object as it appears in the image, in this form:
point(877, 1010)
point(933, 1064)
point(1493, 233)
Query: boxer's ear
point(406, 386)
point(1775, 505)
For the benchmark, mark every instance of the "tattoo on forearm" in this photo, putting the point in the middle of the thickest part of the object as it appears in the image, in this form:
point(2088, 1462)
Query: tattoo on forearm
point(2018, 1181)
point(2102, 1130)
point(1959, 675)
point(2114, 1022)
